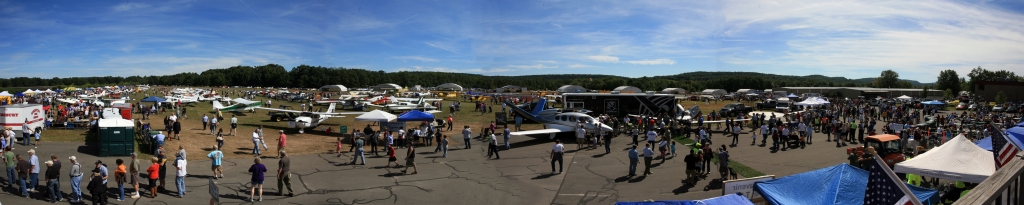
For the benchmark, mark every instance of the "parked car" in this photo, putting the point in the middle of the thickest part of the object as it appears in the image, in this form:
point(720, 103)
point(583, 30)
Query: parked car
point(998, 108)
point(735, 109)
point(961, 106)
point(972, 107)
point(1013, 109)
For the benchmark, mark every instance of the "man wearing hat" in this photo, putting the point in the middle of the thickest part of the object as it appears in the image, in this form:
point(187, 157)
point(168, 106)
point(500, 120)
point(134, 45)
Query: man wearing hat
point(103, 175)
point(76, 180)
point(52, 182)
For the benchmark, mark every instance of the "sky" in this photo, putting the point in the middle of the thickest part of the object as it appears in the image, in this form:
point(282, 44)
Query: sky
point(854, 39)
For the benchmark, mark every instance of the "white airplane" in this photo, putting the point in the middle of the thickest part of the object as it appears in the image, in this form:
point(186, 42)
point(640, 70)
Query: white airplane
point(240, 105)
point(555, 123)
point(183, 99)
point(312, 119)
point(101, 94)
point(420, 104)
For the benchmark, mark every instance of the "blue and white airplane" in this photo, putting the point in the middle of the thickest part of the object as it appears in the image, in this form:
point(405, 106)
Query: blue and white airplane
point(555, 121)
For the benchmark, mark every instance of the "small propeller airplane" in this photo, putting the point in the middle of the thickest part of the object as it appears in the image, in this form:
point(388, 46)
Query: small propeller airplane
point(240, 105)
point(417, 104)
point(312, 119)
point(556, 122)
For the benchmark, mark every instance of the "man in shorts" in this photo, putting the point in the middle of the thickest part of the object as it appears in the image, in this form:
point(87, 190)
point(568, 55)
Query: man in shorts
point(134, 170)
point(691, 166)
point(234, 124)
point(216, 155)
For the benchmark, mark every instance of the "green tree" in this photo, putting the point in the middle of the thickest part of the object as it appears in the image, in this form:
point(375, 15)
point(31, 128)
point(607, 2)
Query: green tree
point(948, 80)
point(887, 79)
point(948, 94)
point(1000, 97)
point(924, 92)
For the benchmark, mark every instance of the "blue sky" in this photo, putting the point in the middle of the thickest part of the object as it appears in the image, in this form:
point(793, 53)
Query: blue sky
point(853, 39)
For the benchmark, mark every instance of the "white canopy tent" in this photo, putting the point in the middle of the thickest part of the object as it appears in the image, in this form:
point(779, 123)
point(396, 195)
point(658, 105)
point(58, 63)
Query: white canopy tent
point(904, 97)
point(377, 116)
point(959, 159)
point(5, 93)
point(333, 88)
point(809, 102)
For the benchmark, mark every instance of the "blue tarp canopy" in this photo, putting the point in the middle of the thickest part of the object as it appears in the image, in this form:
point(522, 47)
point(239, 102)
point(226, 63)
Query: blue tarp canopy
point(985, 143)
point(19, 95)
point(924, 195)
point(153, 99)
point(791, 95)
point(415, 115)
point(933, 102)
point(1016, 135)
point(839, 184)
point(1021, 124)
point(730, 199)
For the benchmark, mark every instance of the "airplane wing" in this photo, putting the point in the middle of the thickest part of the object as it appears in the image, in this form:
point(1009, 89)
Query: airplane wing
point(276, 109)
point(723, 121)
point(243, 101)
point(416, 99)
point(535, 132)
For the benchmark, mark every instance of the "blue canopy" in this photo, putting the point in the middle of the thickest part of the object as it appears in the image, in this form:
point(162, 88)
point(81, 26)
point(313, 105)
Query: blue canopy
point(19, 94)
point(791, 95)
point(1016, 135)
point(415, 115)
point(985, 143)
point(1021, 124)
point(924, 195)
point(153, 99)
point(839, 184)
point(933, 102)
point(727, 199)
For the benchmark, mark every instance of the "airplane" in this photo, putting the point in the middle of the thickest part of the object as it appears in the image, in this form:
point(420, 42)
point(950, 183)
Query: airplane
point(99, 95)
point(555, 123)
point(240, 105)
point(312, 119)
point(183, 99)
point(420, 104)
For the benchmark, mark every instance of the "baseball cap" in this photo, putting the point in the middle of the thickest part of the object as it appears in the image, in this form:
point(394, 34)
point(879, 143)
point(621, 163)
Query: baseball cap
point(73, 158)
point(134, 155)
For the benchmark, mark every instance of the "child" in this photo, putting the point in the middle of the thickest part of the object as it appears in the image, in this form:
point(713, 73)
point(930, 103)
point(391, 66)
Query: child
point(338, 150)
point(673, 148)
point(96, 187)
point(391, 157)
point(753, 138)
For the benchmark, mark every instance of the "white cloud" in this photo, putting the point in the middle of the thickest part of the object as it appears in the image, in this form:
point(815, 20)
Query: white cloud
point(577, 65)
point(660, 61)
point(129, 6)
point(610, 59)
point(417, 58)
point(441, 46)
point(450, 70)
point(547, 61)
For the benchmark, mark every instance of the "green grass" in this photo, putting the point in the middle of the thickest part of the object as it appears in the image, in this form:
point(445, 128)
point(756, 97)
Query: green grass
point(740, 169)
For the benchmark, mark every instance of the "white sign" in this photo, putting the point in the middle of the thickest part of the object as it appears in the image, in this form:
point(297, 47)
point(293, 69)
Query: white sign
point(745, 187)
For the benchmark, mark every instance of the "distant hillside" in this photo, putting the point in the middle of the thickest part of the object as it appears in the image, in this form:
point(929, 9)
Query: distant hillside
point(912, 82)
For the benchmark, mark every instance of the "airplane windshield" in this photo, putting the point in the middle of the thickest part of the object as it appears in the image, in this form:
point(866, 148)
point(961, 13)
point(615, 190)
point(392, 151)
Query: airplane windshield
point(306, 114)
point(586, 120)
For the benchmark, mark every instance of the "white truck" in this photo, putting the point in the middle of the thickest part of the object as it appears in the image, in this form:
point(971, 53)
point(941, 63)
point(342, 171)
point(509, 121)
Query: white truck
point(17, 115)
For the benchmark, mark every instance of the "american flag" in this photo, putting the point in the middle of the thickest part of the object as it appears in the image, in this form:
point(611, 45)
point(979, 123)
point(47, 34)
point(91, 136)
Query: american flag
point(1004, 151)
point(884, 188)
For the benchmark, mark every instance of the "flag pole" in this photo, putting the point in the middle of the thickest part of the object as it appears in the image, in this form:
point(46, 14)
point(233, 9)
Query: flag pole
point(900, 183)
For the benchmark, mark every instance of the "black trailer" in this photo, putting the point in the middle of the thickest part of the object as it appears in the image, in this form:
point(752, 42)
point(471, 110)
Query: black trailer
point(620, 105)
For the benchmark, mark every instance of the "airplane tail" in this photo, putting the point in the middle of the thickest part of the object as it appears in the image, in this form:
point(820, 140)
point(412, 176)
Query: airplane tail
point(217, 105)
point(330, 109)
point(540, 107)
point(524, 113)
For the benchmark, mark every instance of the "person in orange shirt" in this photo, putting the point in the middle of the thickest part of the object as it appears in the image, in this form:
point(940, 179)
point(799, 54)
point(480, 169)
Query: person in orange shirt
point(120, 175)
point(154, 174)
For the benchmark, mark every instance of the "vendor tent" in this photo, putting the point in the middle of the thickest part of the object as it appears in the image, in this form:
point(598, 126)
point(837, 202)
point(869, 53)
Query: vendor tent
point(5, 93)
point(933, 102)
point(839, 184)
point(377, 115)
point(731, 199)
point(810, 102)
point(415, 115)
point(1016, 135)
point(958, 159)
point(153, 99)
point(904, 97)
point(791, 95)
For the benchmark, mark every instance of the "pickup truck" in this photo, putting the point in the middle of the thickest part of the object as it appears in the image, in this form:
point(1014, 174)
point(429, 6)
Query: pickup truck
point(735, 109)
point(770, 105)
point(278, 116)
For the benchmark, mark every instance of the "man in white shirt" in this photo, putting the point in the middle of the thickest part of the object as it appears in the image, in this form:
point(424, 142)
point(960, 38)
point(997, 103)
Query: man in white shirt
point(581, 135)
point(256, 142)
point(736, 134)
point(764, 134)
point(389, 140)
point(213, 125)
point(234, 124)
point(651, 136)
point(180, 163)
point(556, 155)
point(648, 156)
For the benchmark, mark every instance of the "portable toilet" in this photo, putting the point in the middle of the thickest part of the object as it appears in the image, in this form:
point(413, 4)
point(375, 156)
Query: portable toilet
point(116, 137)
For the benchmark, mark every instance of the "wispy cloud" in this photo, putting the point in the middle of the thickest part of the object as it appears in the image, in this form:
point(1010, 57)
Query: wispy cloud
point(610, 59)
point(660, 61)
point(129, 6)
point(577, 65)
point(534, 66)
point(416, 58)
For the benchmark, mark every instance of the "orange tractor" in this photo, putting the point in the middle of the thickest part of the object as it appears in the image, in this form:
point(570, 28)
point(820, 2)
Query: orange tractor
point(888, 147)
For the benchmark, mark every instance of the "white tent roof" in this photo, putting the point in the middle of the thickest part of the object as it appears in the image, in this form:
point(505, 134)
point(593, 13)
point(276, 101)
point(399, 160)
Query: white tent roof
point(29, 91)
point(904, 97)
point(809, 101)
point(333, 88)
point(5, 93)
point(116, 122)
point(959, 159)
point(376, 115)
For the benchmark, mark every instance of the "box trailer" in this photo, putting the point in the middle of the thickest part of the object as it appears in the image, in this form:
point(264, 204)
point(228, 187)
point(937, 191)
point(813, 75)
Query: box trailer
point(17, 115)
point(620, 105)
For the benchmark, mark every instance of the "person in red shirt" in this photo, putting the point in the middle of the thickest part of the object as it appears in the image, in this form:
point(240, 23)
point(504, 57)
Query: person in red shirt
point(154, 174)
point(282, 140)
point(391, 157)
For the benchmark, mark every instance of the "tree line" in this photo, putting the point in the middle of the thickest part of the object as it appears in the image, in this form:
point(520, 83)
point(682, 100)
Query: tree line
point(305, 76)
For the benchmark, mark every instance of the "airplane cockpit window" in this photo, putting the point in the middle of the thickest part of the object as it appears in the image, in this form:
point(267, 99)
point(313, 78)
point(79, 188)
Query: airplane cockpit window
point(314, 116)
point(572, 118)
point(564, 118)
point(587, 120)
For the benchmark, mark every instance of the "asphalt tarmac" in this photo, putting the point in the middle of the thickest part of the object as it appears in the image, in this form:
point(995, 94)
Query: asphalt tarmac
point(466, 176)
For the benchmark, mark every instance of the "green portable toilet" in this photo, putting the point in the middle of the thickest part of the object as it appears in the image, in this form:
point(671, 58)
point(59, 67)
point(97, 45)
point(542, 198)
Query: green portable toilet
point(116, 137)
